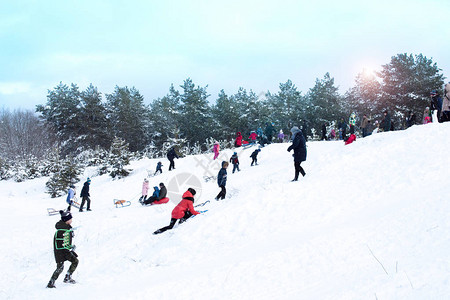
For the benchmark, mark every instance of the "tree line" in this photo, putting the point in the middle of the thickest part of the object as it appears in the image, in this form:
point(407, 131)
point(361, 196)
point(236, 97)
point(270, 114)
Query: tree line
point(74, 123)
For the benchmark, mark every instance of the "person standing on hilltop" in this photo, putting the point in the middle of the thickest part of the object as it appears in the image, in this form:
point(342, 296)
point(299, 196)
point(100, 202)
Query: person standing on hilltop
point(299, 147)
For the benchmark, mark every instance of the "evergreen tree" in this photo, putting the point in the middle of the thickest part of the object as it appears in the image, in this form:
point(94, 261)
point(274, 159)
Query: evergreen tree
point(67, 173)
point(62, 111)
point(407, 82)
point(196, 123)
point(287, 107)
point(4, 169)
point(164, 116)
point(126, 113)
point(364, 97)
point(118, 159)
point(94, 125)
point(225, 117)
point(252, 112)
point(325, 103)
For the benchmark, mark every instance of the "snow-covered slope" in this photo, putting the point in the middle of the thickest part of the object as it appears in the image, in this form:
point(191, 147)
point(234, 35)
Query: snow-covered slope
point(369, 221)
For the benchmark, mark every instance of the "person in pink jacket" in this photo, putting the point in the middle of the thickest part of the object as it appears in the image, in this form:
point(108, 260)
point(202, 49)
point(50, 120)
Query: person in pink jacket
point(216, 150)
point(144, 191)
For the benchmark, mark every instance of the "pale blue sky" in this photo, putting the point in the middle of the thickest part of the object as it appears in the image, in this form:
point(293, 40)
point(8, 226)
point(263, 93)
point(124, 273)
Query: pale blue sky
point(222, 44)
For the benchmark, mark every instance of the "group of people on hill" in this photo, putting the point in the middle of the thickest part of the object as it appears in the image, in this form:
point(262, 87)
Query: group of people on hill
point(439, 107)
point(64, 250)
point(159, 193)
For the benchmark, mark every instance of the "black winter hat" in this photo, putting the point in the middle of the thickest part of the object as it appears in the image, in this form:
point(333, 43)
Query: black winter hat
point(65, 215)
point(193, 192)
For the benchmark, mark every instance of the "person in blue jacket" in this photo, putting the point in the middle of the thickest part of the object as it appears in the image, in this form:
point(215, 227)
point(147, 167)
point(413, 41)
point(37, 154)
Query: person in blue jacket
point(158, 167)
point(222, 181)
point(70, 195)
point(299, 147)
point(153, 198)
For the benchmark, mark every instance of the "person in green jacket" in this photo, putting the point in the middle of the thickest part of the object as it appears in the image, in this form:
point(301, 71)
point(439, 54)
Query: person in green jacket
point(63, 249)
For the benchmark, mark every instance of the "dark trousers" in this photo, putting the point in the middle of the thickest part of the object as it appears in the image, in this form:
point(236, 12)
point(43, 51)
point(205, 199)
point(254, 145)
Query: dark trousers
point(173, 221)
point(445, 116)
point(150, 200)
point(60, 266)
point(172, 164)
point(235, 167)
point(222, 193)
point(88, 200)
point(298, 169)
point(364, 131)
point(159, 170)
point(254, 161)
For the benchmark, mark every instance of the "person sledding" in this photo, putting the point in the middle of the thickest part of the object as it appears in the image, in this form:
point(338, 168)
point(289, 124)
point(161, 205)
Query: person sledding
point(350, 139)
point(183, 211)
point(63, 249)
point(158, 195)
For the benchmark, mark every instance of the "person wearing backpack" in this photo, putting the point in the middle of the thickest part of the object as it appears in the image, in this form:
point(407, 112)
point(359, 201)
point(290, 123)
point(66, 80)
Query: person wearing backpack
point(64, 249)
point(235, 161)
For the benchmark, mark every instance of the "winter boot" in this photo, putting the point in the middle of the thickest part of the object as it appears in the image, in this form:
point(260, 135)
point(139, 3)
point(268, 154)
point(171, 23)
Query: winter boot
point(68, 279)
point(51, 284)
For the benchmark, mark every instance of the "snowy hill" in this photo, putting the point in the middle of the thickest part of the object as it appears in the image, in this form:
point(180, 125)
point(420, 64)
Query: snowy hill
point(369, 221)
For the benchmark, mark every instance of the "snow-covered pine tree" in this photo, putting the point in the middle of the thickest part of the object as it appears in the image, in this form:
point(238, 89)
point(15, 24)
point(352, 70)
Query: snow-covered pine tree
point(67, 174)
point(4, 169)
point(196, 123)
point(61, 112)
point(95, 127)
point(174, 140)
point(119, 159)
point(325, 103)
point(126, 112)
point(287, 107)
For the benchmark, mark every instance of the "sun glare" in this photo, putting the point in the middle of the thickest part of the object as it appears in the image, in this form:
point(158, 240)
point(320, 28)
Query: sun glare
point(368, 72)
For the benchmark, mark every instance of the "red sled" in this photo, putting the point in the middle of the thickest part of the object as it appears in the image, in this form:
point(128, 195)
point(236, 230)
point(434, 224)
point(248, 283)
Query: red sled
point(162, 201)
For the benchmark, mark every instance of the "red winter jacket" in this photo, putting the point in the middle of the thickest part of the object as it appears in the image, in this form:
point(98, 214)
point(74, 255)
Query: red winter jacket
point(351, 139)
point(238, 141)
point(253, 136)
point(187, 204)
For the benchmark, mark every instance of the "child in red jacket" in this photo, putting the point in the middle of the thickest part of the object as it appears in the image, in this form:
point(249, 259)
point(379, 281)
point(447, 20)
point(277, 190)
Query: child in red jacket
point(183, 211)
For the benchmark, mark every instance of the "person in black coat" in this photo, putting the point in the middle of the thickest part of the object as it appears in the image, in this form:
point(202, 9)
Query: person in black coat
point(324, 132)
point(222, 181)
point(299, 147)
point(85, 195)
point(63, 249)
point(171, 155)
point(254, 157)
